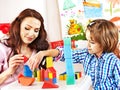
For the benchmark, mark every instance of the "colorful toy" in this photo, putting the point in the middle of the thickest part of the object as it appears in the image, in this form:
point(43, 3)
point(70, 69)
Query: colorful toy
point(25, 81)
point(25, 59)
point(63, 75)
point(48, 84)
point(50, 74)
point(68, 61)
point(27, 71)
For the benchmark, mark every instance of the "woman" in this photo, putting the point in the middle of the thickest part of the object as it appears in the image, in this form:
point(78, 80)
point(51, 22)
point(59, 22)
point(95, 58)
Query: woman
point(26, 37)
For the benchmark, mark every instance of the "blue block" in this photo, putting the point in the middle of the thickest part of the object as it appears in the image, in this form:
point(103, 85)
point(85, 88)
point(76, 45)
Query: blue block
point(27, 71)
point(54, 80)
point(69, 61)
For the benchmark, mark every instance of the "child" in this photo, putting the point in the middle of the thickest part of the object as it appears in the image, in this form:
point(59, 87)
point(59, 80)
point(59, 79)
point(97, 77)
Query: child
point(98, 59)
point(26, 37)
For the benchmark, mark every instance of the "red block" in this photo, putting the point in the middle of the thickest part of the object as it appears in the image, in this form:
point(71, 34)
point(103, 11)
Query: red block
point(48, 84)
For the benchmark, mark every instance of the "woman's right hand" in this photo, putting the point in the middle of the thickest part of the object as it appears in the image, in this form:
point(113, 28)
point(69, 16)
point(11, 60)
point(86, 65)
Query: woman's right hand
point(14, 62)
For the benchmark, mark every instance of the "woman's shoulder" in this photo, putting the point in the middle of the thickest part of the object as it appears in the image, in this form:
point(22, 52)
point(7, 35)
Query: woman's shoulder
point(4, 47)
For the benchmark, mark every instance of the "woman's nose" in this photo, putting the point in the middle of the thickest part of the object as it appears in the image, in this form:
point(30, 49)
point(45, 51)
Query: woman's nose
point(31, 32)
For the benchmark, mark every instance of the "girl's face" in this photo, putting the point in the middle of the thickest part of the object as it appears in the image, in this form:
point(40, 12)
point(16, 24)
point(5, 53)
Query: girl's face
point(29, 29)
point(93, 47)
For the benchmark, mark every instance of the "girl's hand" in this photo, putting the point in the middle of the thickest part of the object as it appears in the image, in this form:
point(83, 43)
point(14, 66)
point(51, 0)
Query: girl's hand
point(35, 60)
point(14, 62)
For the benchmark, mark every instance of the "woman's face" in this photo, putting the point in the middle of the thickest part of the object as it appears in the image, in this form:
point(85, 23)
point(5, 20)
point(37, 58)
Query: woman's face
point(29, 29)
point(93, 47)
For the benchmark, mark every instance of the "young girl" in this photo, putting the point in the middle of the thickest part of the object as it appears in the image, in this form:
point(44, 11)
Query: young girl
point(98, 59)
point(26, 37)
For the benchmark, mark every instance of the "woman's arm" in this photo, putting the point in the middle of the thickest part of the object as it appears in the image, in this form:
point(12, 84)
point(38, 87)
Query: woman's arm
point(37, 58)
point(14, 62)
point(4, 75)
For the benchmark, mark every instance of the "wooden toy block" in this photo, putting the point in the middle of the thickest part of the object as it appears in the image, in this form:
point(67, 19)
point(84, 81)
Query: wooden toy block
point(70, 80)
point(38, 75)
point(35, 73)
point(46, 73)
point(60, 77)
point(64, 76)
point(50, 75)
point(25, 81)
point(49, 62)
point(27, 71)
point(42, 71)
point(54, 80)
point(48, 84)
point(68, 61)
point(25, 59)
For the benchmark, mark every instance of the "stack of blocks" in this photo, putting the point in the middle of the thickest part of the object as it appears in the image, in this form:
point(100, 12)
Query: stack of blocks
point(68, 60)
point(48, 74)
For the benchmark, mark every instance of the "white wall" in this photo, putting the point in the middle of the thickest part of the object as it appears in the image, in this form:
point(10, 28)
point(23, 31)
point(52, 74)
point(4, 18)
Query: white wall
point(9, 9)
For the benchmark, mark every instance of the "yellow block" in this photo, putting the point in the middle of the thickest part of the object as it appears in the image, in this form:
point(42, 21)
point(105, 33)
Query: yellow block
point(38, 75)
point(49, 62)
point(61, 77)
point(64, 76)
point(50, 75)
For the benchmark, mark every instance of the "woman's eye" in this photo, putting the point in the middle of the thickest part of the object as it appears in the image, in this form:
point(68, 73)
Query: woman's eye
point(36, 30)
point(27, 28)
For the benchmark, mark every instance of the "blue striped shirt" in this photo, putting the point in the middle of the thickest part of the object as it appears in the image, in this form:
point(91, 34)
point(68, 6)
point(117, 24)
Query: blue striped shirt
point(104, 71)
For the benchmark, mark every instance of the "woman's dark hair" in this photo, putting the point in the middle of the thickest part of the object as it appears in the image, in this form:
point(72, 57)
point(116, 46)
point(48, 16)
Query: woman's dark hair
point(14, 41)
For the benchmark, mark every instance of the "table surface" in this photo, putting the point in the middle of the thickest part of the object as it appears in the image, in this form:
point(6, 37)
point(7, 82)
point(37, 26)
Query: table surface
point(80, 84)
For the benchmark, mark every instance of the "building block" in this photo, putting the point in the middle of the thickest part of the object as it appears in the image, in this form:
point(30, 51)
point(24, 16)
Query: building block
point(48, 84)
point(63, 76)
point(68, 60)
point(49, 62)
point(50, 75)
point(38, 75)
point(27, 71)
point(25, 81)
point(42, 76)
point(35, 73)
point(25, 59)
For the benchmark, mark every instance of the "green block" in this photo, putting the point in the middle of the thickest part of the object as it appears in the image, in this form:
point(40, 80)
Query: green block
point(35, 73)
point(70, 80)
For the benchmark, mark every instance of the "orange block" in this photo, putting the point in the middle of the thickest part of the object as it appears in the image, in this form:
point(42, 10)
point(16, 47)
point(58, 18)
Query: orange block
point(25, 81)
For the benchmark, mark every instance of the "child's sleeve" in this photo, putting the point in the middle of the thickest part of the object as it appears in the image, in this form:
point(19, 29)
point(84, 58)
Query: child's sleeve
point(117, 73)
point(60, 55)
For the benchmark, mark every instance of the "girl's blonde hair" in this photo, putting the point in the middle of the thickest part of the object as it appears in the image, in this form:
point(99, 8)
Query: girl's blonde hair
point(105, 33)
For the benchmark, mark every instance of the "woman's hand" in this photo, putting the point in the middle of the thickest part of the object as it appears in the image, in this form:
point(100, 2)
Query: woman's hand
point(35, 60)
point(14, 62)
